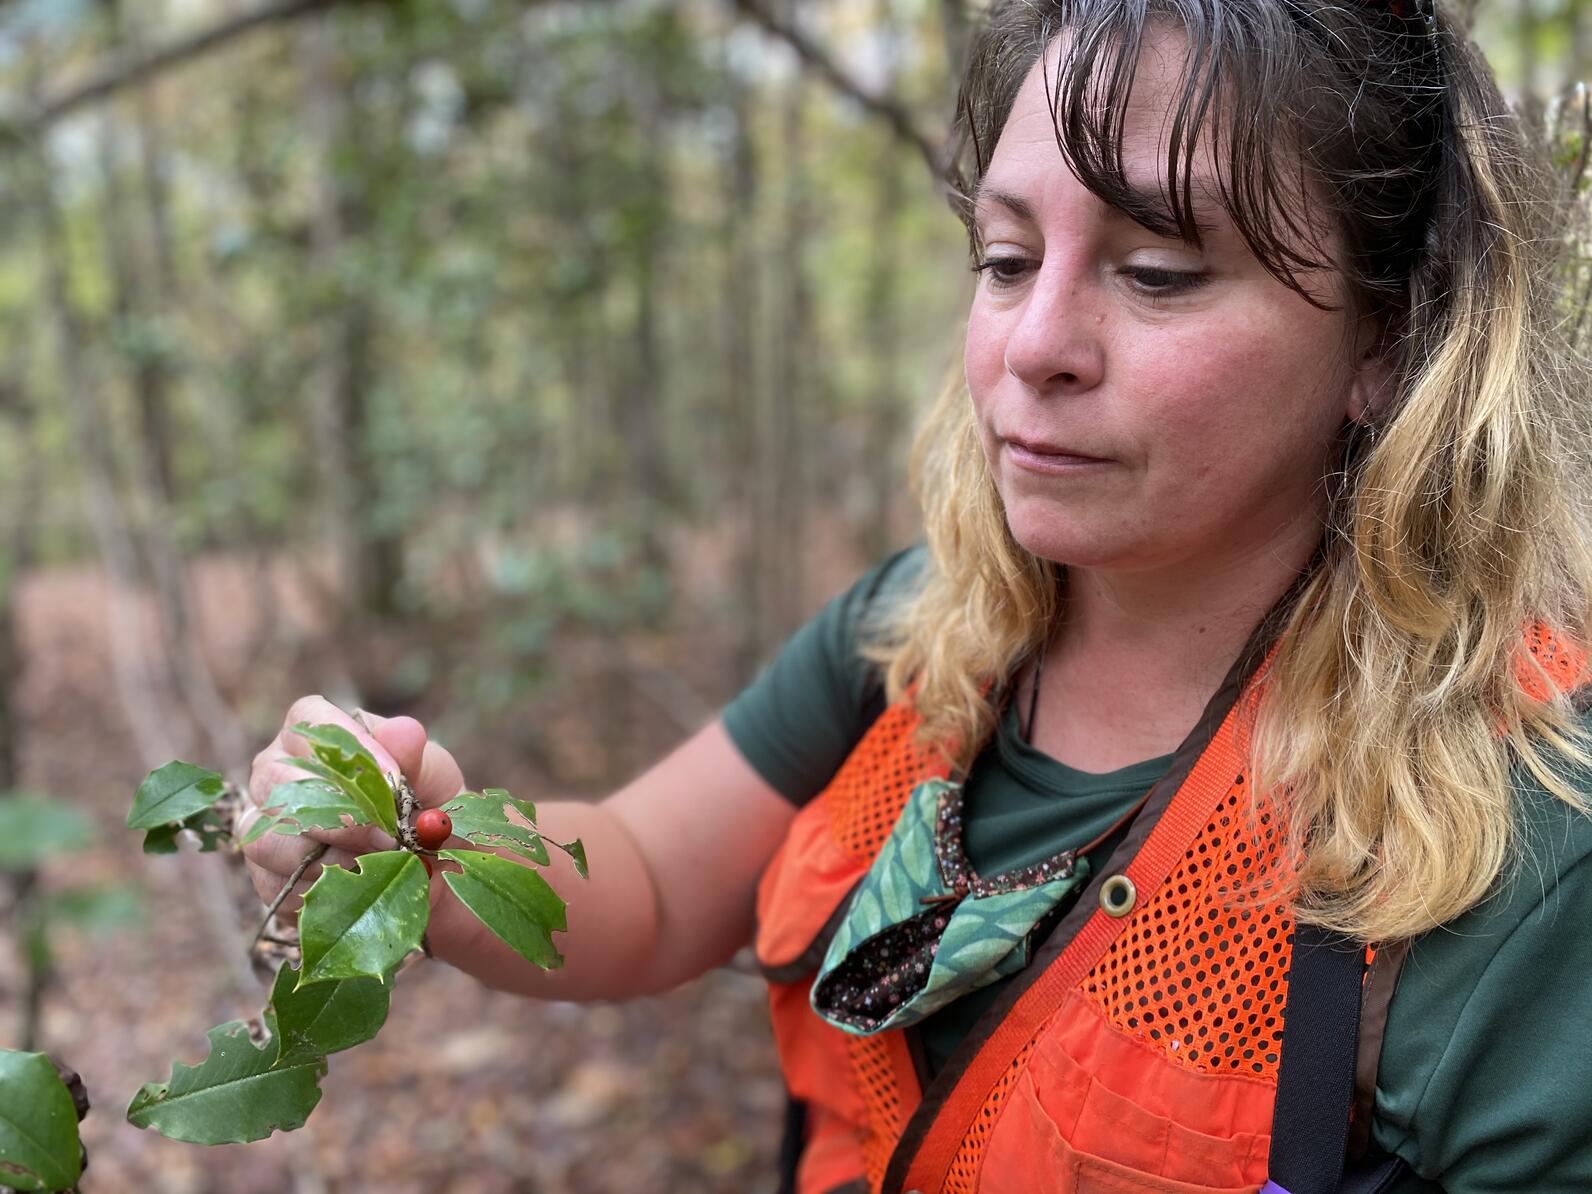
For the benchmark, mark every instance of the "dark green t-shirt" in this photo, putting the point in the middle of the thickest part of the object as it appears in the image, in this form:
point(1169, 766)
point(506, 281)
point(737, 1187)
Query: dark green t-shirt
point(1485, 1082)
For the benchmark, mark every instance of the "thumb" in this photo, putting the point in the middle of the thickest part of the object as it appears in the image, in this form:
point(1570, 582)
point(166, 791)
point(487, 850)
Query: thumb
point(403, 738)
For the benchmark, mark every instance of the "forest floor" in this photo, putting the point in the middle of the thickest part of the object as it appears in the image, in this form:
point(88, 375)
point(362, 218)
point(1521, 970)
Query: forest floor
point(466, 1089)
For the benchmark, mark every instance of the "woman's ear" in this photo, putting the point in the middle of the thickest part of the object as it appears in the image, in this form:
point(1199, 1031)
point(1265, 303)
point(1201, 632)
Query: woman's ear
point(1371, 388)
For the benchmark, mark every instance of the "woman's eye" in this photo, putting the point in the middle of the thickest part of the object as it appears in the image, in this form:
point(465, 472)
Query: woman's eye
point(1003, 271)
point(1163, 283)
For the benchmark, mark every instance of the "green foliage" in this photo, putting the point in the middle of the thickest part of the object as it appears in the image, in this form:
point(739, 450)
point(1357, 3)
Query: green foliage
point(342, 762)
point(172, 798)
point(305, 804)
point(39, 1146)
point(206, 825)
point(355, 929)
point(577, 854)
point(34, 828)
point(494, 818)
point(361, 924)
point(511, 900)
point(310, 1021)
point(237, 1094)
point(98, 908)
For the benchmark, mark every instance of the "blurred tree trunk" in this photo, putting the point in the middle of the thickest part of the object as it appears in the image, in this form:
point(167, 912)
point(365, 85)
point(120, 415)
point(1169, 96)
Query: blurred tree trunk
point(742, 391)
point(886, 423)
point(16, 551)
point(1580, 41)
point(1526, 32)
point(640, 417)
point(369, 556)
point(957, 28)
point(570, 314)
point(145, 301)
point(142, 696)
point(782, 497)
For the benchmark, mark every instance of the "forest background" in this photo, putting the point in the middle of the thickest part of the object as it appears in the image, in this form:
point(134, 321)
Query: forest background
point(532, 368)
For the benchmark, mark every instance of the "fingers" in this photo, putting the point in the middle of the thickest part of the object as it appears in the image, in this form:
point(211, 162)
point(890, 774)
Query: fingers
point(403, 738)
point(317, 710)
point(268, 882)
point(398, 744)
point(440, 778)
point(431, 770)
point(273, 766)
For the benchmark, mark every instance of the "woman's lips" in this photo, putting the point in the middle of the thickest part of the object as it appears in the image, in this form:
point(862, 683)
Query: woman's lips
point(1049, 458)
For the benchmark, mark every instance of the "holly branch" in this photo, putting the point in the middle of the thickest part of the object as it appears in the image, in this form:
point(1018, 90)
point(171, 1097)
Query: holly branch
point(356, 927)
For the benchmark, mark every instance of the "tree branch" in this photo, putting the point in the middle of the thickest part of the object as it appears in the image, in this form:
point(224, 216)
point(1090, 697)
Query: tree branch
point(892, 113)
point(124, 70)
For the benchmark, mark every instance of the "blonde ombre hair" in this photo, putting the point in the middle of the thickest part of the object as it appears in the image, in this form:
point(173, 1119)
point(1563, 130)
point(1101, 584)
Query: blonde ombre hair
point(1401, 694)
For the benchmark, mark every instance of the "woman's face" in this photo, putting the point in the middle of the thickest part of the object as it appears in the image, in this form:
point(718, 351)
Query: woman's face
point(1143, 404)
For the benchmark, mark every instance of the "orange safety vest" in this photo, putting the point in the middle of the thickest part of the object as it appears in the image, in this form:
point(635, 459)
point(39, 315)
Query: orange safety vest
point(1138, 1052)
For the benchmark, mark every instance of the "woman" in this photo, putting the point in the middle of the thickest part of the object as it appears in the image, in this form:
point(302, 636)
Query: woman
point(1263, 433)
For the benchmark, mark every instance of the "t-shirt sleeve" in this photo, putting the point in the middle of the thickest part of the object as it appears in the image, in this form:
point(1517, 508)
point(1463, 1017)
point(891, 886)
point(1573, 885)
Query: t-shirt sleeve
point(1485, 1082)
point(796, 723)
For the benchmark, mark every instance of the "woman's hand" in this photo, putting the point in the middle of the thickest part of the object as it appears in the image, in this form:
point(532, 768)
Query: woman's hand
point(399, 746)
point(675, 858)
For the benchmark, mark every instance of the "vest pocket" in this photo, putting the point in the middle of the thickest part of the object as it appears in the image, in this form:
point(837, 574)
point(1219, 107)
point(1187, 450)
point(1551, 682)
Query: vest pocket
point(1028, 1153)
point(1095, 1175)
point(1124, 1121)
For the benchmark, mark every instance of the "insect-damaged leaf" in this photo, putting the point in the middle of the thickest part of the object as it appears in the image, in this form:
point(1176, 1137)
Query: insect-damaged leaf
point(513, 901)
point(312, 1021)
point(39, 1148)
point(577, 855)
point(342, 761)
point(206, 824)
point(494, 818)
point(173, 793)
point(306, 804)
point(235, 1095)
point(361, 924)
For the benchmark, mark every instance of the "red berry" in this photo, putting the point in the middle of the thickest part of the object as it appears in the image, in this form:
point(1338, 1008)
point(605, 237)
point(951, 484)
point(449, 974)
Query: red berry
point(432, 828)
point(426, 862)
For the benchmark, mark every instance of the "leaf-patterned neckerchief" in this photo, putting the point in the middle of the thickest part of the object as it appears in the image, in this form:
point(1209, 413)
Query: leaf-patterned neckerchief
point(925, 928)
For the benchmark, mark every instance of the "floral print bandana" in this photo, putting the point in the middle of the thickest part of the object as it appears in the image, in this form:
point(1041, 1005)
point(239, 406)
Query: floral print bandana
point(923, 928)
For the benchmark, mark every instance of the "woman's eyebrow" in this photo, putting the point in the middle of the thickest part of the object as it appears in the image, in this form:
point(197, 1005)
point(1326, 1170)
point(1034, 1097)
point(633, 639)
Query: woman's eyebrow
point(1146, 206)
point(984, 196)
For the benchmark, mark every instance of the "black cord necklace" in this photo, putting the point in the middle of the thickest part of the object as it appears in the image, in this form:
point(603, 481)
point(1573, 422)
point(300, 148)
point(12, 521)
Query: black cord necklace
point(1033, 697)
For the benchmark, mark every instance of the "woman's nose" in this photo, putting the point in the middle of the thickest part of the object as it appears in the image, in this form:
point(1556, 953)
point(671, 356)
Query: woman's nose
point(1054, 343)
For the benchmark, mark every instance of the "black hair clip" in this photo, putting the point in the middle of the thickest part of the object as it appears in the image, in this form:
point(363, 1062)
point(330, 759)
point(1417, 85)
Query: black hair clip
point(1408, 10)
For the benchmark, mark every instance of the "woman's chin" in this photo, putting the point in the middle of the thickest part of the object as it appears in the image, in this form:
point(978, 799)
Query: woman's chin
point(1063, 544)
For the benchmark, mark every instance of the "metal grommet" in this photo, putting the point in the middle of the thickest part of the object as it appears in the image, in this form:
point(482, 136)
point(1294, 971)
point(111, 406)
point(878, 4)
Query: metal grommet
point(1118, 895)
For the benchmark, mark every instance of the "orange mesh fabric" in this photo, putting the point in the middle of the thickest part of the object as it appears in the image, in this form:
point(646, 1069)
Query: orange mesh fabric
point(868, 792)
point(1200, 972)
point(875, 1062)
point(1565, 665)
point(964, 1171)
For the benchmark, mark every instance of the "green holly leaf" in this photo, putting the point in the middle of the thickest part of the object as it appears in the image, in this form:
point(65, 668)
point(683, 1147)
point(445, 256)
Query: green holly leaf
point(577, 855)
point(513, 901)
point(39, 1147)
point(342, 761)
point(492, 817)
point(206, 824)
point(34, 828)
point(172, 794)
point(525, 807)
point(361, 924)
point(312, 1021)
point(210, 829)
point(232, 1097)
point(306, 804)
point(162, 839)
